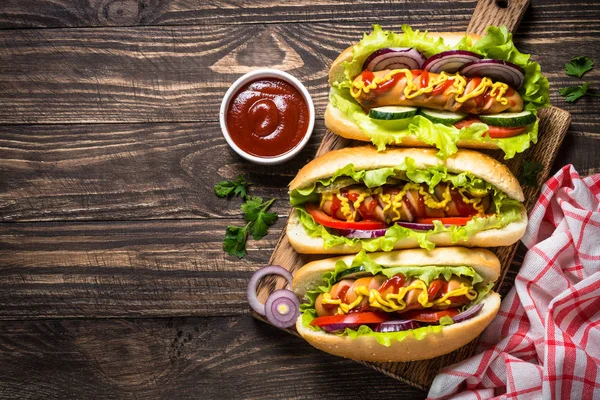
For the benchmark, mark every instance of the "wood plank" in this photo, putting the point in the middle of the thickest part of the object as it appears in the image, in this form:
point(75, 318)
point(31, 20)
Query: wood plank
point(103, 13)
point(161, 171)
point(125, 269)
point(497, 13)
point(165, 74)
point(210, 358)
point(86, 13)
point(108, 172)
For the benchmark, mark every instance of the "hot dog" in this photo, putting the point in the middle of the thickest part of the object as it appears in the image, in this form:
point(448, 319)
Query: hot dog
point(374, 307)
point(357, 198)
point(453, 90)
point(437, 91)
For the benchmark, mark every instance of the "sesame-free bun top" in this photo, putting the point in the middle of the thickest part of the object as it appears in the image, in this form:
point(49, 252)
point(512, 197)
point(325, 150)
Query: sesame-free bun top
point(367, 158)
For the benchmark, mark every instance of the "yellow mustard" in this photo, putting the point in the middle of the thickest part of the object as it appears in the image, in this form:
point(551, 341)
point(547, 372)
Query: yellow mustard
point(458, 86)
point(395, 302)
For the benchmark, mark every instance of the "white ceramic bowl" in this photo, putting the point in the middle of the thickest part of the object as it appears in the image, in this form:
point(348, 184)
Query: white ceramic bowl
point(259, 74)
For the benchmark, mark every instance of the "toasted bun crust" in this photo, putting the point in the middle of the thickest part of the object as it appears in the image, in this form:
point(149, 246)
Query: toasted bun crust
point(483, 261)
point(338, 123)
point(366, 348)
point(305, 244)
point(367, 157)
point(336, 72)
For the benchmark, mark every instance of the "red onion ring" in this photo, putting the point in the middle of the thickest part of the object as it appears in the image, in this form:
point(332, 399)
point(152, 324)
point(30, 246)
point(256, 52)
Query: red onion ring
point(497, 70)
point(282, 308)
point(394, 57)
point(253, 285)
point(470, 313)
point(397, 325)
point(449, 61)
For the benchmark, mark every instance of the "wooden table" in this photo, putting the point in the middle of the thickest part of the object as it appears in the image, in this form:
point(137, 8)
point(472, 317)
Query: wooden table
point(113, 283)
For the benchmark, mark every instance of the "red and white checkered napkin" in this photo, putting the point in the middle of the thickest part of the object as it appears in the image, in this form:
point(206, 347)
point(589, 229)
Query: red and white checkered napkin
point(545, 341)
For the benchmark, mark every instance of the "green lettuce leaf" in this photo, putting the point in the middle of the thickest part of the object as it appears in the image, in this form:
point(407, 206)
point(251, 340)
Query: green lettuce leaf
point(444, 137)
point(426, 274)
point(497, 43)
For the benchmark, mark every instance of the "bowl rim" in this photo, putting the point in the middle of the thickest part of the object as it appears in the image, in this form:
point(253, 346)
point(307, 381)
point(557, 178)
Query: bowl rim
point(267, 73)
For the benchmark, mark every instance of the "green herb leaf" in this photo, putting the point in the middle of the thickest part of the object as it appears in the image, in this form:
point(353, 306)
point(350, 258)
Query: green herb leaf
point(262, 223)
point(227, 188)
point(255, 211)
point(573, 93)
point(235, 240)
point(579, 66)
point(528, 177)
point(251, 207)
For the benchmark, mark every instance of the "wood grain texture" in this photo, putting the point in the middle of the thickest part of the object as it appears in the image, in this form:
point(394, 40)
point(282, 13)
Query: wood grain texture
point(209, 358)
point(497, 12)
point(103, 13)
point(120, 172)
point(167, 74)
point(125, 269)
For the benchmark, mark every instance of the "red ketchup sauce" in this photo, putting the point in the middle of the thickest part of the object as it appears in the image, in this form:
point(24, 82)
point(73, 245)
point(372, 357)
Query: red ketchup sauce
point(267, 117)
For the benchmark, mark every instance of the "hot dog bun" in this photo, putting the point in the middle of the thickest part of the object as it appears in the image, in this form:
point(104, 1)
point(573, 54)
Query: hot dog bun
point(366, 348)
point(367, 157)
point(339, 124)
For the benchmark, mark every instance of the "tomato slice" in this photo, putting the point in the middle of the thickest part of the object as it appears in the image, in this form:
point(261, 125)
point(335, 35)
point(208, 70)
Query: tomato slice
point(354, 318)
point(322, 218)
point(495, 132)
point(429, 316)
point(425, 79)
point(446, 220)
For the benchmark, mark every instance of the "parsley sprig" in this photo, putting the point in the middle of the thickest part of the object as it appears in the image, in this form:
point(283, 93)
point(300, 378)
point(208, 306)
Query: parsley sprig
point(235, 188)
point(578, 66)
point(255, 211)
point(573, 93)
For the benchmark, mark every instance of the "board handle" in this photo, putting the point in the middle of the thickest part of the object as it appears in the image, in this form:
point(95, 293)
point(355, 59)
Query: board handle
point(497, 13)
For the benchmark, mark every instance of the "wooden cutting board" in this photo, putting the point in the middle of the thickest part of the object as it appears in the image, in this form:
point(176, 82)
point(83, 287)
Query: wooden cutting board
point(554, 123)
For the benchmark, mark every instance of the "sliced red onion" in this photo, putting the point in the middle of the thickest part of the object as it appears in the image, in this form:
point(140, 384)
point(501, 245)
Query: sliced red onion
point(253, 285)
point(282, 308)
point(415, 226)
point(449, 61)
point(339, 327)
point(394, 57)
point(470, 313)
point(397, 325)
point(497, 70)
point(362, 234)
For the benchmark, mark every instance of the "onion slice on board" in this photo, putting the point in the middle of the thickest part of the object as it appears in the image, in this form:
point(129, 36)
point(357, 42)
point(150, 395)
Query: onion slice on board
point(497, 70)
point(253, 285)
point(394, 57)
point(282, 308)
point(450, 61)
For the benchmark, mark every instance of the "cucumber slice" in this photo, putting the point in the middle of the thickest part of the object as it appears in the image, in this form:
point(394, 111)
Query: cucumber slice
point(353, 273)
point(442, 117)
point(392, 112)
point(509, 120)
